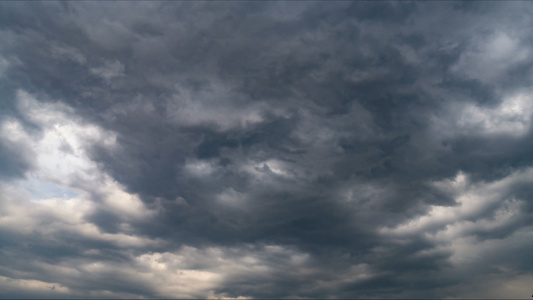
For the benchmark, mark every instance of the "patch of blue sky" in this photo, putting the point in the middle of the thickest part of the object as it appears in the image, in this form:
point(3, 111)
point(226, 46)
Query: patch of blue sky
point(39, 190)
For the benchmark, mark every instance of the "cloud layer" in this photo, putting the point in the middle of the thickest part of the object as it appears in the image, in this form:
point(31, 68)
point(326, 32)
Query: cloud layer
point(266, 149)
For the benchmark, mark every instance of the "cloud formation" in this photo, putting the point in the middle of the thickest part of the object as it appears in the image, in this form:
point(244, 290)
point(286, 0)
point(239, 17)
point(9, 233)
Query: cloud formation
point(265, 149)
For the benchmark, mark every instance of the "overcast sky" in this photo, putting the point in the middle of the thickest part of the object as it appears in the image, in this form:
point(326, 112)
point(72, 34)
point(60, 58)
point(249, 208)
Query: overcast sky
point(266, 149)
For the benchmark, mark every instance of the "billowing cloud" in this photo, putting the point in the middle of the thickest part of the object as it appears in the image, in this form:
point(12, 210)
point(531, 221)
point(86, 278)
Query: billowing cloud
point(265, 149)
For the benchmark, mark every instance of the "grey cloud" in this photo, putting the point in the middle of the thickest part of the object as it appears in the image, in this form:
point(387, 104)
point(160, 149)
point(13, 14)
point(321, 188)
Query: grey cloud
point(13, 162)
point(266, 149)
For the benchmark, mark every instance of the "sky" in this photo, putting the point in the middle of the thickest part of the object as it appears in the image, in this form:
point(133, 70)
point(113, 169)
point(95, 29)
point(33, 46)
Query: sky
point(266, 149)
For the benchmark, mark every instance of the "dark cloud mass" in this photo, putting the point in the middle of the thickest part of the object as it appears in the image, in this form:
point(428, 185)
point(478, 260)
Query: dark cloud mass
point(266, 149)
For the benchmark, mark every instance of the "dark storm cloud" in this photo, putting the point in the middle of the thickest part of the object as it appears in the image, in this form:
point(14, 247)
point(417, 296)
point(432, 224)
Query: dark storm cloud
point(13, 162)
point(344, 149)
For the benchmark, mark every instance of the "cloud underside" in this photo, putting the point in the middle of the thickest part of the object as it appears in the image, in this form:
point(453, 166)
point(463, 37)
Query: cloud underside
point(266, 149)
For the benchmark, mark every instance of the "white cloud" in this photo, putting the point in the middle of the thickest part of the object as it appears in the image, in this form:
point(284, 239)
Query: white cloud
point(268, 168)
point(61, 157)
point(195, 273)
point(490, 56)
point(199, 168)
point(65, 185)
point(511, 117)
point(484, 208)
point(503, 278)
point(187, 272)
point(188, 108)
point(232, 198)
point(481, 206)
